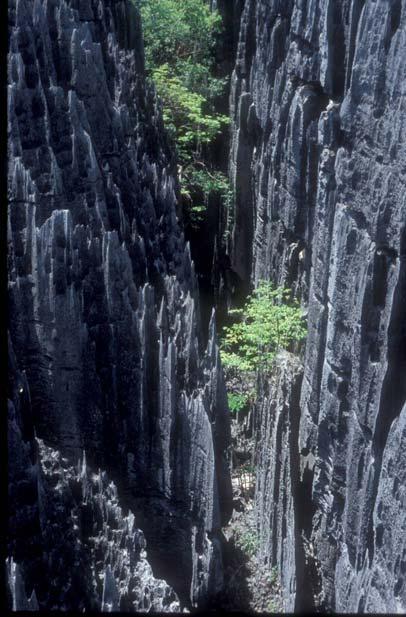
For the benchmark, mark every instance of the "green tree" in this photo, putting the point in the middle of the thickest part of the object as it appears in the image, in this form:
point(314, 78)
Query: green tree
point(269, 321)
point(182, 34)
point(180, 38)
point(237, 401)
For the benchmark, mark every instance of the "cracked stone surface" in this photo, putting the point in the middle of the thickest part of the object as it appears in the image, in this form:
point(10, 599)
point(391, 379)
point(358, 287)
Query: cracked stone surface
point(318, 167)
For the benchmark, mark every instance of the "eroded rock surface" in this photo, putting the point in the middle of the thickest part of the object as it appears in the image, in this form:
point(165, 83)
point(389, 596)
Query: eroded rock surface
point(318, 166)
point(276, 416)
point(104, 311)
point(93, 557)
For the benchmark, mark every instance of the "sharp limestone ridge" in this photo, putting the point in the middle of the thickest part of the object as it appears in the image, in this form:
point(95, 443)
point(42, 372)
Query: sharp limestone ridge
point(105, 340)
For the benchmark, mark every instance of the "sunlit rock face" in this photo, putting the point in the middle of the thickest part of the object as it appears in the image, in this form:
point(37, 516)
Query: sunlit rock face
point(318, 166)
point(104, 314)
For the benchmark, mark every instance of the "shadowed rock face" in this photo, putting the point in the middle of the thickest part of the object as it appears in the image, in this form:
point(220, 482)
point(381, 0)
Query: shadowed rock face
point(104, 315)
point(276, 423)
point(89, 545)
point(318, 165)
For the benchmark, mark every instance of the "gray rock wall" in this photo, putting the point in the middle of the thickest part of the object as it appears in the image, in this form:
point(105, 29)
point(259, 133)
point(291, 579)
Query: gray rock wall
point(318, 166)
point(276, 423)
point(104, 310)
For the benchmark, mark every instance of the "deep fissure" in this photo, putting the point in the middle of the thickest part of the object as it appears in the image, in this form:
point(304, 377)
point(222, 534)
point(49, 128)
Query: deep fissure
point(206, 248)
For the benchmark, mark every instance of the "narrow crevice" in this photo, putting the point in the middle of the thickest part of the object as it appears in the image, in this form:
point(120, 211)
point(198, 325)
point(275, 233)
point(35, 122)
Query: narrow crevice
point(308, 583)
point(336, 50)
point(393, 395)
point(357, 9)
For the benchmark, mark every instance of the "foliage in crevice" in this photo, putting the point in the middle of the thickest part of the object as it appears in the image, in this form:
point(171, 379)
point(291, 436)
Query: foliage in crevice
point(180, 38)
point(270, 320)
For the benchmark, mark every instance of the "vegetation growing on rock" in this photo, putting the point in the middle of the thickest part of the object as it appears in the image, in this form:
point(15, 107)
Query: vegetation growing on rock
point(237, 401)
point(269, 321)
point(180, 38)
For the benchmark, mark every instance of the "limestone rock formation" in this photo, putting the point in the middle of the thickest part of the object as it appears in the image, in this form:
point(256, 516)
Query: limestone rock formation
point(318, 167)
point(107, 352)
point(19, 600)
point(276, 424)
point(93, 557)
point(104, 326)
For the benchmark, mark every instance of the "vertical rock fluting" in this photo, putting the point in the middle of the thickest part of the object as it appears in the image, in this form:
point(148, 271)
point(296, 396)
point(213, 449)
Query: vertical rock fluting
point(318, 164)
point(104, 315)
point(276, 423)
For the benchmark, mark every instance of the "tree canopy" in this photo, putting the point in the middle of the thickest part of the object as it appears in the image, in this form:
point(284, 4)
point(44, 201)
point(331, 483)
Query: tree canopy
point(180, 38)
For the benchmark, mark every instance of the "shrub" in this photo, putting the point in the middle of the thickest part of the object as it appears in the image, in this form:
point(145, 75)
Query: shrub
point(269, 321)
point(273, 577)
point(248, 541)
point(273, 606)
point(180, 38)
point(184, 115)
point(183, 31)
point(237, 401)
point(197, 179)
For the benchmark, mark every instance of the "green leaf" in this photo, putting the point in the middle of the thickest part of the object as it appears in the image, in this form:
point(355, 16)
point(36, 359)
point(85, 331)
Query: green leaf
point(269, 321)
point(180, 38)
